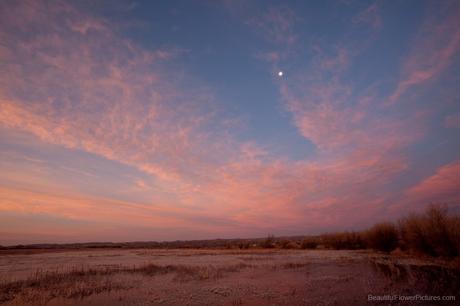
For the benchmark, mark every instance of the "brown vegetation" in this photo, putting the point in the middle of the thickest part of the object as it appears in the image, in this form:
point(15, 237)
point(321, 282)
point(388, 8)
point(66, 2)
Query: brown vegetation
point(432, 233)
point(382, 236)
point(309, 243)
point(81, 282)
point(343, 241)
point(269, 242)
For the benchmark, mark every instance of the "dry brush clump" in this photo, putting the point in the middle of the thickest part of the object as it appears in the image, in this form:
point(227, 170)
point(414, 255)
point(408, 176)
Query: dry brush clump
point(309, 243)
point(343, 240)
point(269, 242)
point(244, 245)
point(382, 237)
point(287, 244)
point(434, 233)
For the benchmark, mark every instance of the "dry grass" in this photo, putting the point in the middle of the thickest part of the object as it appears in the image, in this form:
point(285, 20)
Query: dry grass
point(294, 265)
point(81, 282)
point(186, 272)
point(76, 283)
point(435, 278)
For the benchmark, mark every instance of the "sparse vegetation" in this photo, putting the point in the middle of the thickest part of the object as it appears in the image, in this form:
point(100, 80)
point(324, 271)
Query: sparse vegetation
point(309, 243)
point(269, 242)
point(81, 282)
point(433, 233)
point(243, 245)
point(287, 244)
point(215, 279)
point(342, 241)
point(382, 237)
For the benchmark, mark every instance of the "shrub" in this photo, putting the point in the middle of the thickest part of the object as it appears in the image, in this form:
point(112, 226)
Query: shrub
point(454, 230)
point(344, 240)
point(287, 244)
point(433, 233)
point(268, 243)
point(439, 230)
point(382, 237)
point(243, 245)
point(309, 243)
point(413, 235)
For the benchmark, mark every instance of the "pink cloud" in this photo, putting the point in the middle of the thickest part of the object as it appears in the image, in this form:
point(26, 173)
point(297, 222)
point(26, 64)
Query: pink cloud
point(441, 186)
point(328, 112)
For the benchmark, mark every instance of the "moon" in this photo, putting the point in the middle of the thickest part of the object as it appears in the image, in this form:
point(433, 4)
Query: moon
point(280, 73)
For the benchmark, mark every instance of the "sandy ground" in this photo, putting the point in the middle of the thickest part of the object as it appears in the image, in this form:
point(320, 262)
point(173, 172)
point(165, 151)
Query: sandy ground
point(221, 277)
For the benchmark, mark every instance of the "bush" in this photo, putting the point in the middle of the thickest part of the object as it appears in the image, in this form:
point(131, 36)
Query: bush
point(268, 243)
point(433, 233)
point(454, 230)
point(243, 245)
point(344, 240)
point(287, 244)
point(440, 231)
point(413, 237)
point(309, 243)
point(382, 237)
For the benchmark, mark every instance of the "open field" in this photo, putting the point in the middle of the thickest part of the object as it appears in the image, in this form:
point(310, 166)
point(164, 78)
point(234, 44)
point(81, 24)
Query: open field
point(218, 277)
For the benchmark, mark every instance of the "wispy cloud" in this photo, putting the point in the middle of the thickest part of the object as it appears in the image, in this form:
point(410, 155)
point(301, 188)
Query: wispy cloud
point(442, 186)
point(431, 52)
point(370, 16)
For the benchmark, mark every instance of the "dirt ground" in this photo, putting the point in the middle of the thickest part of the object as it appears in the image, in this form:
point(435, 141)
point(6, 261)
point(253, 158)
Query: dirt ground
point(223, 277)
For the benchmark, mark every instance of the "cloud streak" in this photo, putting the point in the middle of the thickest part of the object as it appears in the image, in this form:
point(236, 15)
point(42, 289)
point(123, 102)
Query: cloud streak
point(431, 54)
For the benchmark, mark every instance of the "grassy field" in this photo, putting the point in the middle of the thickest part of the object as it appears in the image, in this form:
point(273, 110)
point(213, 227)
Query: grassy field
point(219, 277)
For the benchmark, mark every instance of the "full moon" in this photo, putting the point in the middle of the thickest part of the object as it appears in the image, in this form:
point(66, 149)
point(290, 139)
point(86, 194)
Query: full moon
point(280, 73)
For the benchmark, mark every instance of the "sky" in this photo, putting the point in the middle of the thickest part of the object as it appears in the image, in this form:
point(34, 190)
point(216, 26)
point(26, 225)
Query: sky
point(168, 120)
